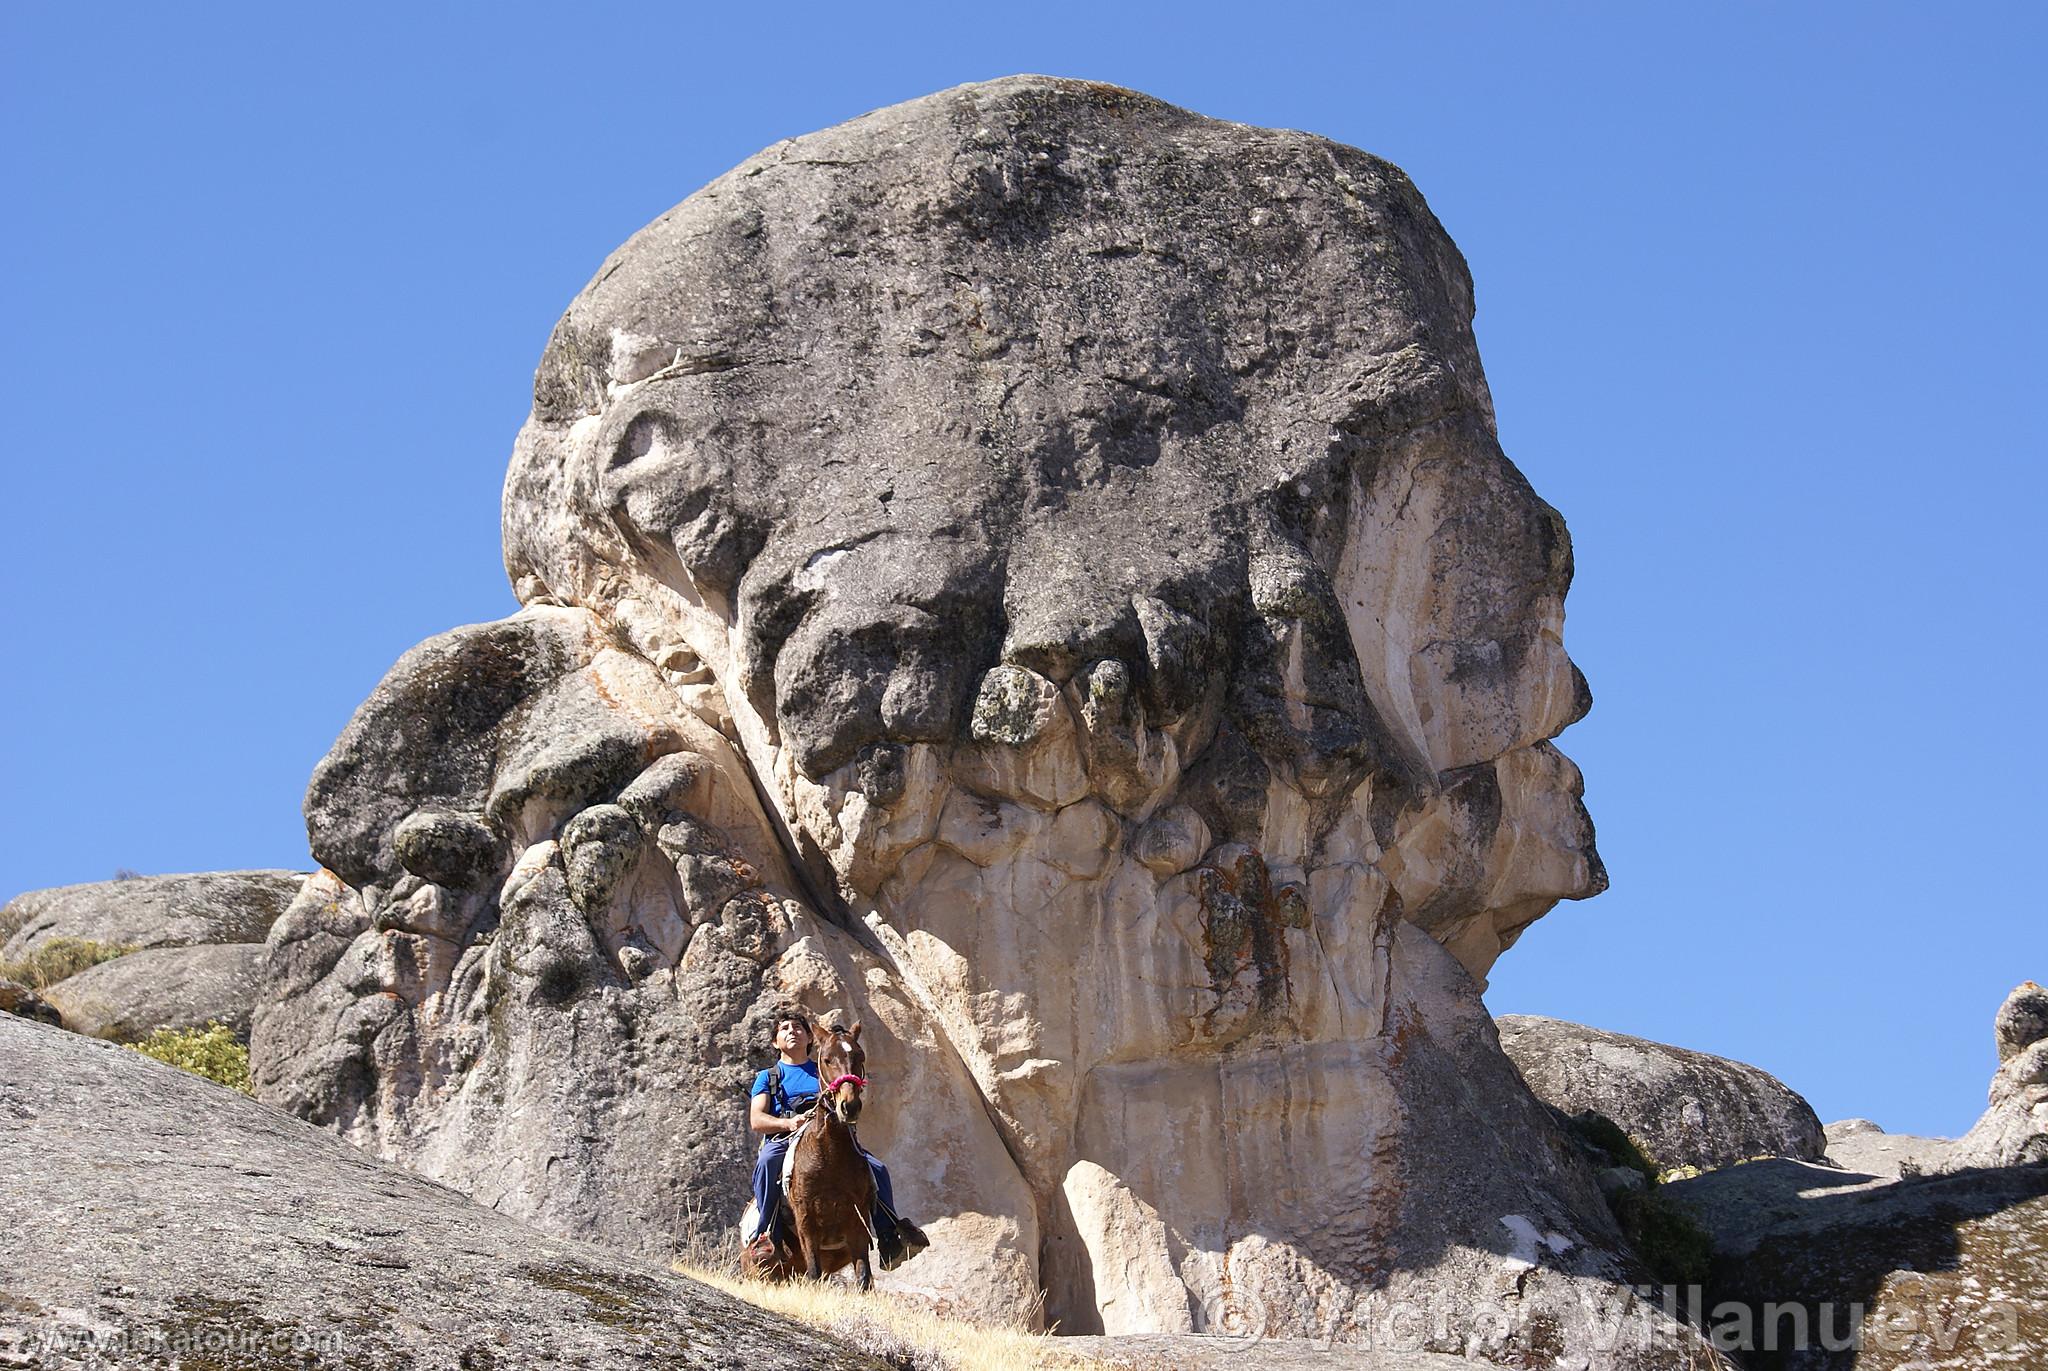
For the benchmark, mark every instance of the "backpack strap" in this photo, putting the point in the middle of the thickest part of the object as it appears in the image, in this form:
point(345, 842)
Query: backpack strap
point(777, 1101)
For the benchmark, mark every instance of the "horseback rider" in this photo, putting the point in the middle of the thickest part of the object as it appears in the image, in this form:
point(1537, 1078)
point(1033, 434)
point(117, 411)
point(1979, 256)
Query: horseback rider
point(782, 1097)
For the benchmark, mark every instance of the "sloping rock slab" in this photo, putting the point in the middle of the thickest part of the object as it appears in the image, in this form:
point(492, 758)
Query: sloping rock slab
point(1685, 1108)
point(1860, 1145)
point(157, 1219)
point(1930, 1272)
point(151, 911)
point(131, 997)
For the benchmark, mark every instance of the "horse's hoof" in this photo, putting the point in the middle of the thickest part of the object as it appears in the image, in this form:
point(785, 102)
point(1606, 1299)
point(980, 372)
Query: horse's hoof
point(907, 1241)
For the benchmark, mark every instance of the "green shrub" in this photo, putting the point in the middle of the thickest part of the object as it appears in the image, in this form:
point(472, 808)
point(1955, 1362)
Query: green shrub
point(211, 1052)
point(1675, 1248)
point(1607, 1138)
point(58, 958)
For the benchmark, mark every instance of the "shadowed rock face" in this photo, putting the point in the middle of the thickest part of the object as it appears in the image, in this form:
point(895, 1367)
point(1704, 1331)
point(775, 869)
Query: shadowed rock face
point(1031, 568)
point(1939, 1271)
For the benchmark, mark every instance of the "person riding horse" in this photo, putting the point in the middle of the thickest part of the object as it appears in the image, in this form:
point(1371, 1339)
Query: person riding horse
point(781, 1096)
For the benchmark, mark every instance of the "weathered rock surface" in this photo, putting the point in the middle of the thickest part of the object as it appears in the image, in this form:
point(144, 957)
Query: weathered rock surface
point(1941, 1271)
point(2013, 1131)
point(1683, 1108)
point(131, 997)
point(151, 911)
point(1031, 568)
point(180, 1223)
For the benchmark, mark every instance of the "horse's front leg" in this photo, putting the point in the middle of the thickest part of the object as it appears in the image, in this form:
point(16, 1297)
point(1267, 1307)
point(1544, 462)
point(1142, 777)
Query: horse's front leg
point(814, 1260)
point(864, 1237)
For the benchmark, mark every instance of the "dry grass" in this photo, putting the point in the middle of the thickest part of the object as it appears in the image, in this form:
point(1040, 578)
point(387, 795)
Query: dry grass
point(59, 959)
point(13, 915)
point(901, 1331)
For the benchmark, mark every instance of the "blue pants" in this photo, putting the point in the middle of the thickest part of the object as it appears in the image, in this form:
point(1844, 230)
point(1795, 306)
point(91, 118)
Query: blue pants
point(768, 1178)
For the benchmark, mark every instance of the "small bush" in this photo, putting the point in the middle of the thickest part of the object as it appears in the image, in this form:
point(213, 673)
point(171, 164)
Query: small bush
point(1675, 1248)
point(211, 1052)
point(1606, 1137)
point(59, 958)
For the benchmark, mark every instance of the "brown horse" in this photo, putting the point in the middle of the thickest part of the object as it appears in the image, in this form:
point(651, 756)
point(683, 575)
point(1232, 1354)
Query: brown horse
point(831, 1189)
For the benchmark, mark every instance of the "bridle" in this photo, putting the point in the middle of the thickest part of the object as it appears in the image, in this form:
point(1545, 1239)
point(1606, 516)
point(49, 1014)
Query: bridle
point(845, 1054)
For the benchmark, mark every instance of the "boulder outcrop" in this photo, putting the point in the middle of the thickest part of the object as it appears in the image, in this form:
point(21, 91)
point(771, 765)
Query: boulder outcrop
point(189, 948)
point(1683, 1108)
point(1901, 1252)
point(150, 911)
point(1032, 569)
point(2013, 1131)
point(181, 1224)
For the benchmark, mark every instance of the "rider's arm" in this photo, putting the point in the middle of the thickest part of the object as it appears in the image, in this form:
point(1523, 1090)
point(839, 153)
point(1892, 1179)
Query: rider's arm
point(761, 1121)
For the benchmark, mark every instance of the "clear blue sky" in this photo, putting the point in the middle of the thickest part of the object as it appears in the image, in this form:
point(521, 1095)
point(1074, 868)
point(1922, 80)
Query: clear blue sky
point(1760, 296)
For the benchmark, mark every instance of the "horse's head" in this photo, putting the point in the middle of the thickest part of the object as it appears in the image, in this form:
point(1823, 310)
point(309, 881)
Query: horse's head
point(842, 1067)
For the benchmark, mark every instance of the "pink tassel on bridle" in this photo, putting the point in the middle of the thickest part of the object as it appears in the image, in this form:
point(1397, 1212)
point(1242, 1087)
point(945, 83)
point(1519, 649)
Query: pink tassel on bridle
point(855, 1081)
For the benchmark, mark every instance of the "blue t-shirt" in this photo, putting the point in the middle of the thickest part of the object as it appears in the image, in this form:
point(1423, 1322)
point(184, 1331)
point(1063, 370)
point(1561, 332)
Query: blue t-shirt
point(799, 1081)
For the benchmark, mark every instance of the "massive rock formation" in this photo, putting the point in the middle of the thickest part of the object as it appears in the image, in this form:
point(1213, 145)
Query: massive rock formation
point(1682, 1108)
point(156, 1219)
point(1032, 569)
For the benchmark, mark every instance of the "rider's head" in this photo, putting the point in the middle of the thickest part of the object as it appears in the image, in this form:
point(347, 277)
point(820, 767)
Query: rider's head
point(793, 1034)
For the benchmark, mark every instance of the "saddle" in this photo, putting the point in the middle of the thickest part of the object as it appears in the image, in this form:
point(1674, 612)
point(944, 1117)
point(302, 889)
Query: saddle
point(789, 1154)
point(753, 1224)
